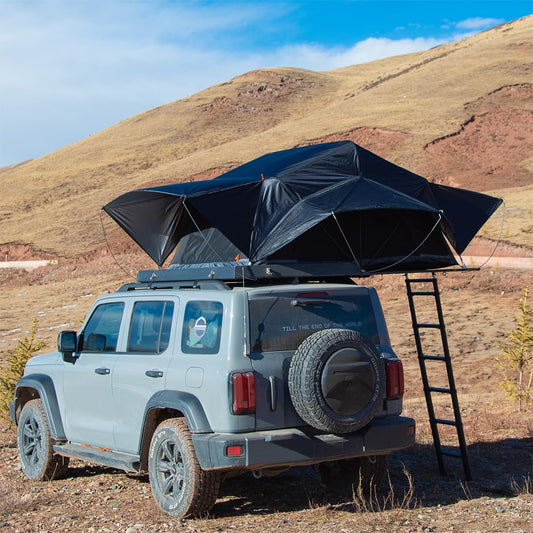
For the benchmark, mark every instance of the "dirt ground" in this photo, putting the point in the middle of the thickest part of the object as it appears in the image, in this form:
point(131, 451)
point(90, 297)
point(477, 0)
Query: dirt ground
point(489, 150)
point(479, 308)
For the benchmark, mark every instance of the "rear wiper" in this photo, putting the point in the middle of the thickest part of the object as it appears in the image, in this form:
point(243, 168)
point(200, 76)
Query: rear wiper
point(308, 301)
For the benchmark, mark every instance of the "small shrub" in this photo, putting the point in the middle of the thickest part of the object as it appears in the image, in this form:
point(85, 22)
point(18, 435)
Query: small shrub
point(523, 487)
point(516, 355)
point(16, 360)
point(372, 502)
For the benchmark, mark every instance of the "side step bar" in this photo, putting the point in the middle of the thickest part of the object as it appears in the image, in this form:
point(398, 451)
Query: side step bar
point(102, 456)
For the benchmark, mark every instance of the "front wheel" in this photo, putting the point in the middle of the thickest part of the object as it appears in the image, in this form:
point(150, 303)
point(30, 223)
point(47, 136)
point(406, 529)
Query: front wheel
point(179, 485)
point(35, 446)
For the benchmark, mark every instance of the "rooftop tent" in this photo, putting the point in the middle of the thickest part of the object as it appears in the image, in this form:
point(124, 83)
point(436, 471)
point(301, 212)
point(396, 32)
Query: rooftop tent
point(325, 202)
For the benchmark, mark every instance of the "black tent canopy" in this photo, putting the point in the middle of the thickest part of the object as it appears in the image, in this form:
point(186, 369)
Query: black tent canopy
point(332, 202)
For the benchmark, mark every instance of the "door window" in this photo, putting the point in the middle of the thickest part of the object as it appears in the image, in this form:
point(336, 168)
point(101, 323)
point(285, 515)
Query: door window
point(101, 332)
point(150, 327)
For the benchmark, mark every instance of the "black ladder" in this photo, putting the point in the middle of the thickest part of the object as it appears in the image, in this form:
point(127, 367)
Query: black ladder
point(415, 288)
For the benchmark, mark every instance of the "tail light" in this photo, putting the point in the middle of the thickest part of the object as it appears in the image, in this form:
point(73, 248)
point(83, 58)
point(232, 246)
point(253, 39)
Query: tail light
point(395, 387)
point(243, 393)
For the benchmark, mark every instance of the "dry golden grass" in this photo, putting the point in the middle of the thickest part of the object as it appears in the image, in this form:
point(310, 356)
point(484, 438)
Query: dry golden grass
point(395, 107)
point(53, 202)
point(517, 216)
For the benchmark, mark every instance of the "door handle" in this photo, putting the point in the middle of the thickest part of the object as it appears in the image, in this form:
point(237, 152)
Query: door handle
point(102, 371)
point(154, 373)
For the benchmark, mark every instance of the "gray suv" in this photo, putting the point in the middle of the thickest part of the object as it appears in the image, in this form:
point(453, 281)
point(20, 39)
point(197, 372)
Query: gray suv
point(189, 380)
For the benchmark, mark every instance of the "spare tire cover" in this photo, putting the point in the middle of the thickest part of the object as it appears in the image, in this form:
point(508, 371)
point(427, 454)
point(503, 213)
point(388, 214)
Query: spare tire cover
point(336, 380)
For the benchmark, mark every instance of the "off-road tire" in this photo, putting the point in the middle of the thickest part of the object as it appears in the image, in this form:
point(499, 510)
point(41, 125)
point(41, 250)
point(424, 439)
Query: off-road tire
point(336, 380)
point(350, 476)
point(35, 446)
point(179, 485)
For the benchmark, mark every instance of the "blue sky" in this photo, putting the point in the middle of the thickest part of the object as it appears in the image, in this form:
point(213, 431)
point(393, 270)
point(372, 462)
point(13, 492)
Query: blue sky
point(70, 68)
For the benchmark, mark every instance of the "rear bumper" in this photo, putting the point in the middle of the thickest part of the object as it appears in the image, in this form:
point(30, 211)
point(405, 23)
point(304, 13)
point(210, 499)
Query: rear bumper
point(292, 447)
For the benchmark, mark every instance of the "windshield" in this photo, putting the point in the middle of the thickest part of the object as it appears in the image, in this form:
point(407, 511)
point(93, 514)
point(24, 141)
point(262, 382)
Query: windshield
point(284, 321)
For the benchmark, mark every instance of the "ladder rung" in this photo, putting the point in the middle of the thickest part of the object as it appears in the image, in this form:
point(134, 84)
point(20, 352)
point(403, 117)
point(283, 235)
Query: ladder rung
point(434, 357)
point(419, 280)
point(423, 293)
point(445, 422)
point(437, 326)
point(439, 389)
point(450, 453)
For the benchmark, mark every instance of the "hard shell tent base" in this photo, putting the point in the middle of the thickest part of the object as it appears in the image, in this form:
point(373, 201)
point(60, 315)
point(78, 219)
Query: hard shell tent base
point(246, 273)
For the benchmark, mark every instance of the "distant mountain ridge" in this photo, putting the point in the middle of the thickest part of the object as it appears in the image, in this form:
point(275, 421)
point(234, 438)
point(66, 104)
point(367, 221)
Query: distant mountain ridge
point(460, 114)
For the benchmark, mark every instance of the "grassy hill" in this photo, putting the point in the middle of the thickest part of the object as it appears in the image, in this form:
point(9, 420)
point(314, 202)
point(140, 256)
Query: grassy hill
point(459, 113)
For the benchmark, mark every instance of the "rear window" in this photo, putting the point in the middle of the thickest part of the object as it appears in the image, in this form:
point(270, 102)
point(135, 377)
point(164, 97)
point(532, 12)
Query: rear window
point(201, 327)
point(283, 322)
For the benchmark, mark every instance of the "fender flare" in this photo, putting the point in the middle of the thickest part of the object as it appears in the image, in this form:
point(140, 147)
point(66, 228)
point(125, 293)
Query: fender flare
point(185, 403)
point(45, 389)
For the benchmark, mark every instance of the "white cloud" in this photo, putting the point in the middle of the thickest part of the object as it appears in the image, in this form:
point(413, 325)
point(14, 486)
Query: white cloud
point(316, 57)
point(70, 69)
point(478, 23)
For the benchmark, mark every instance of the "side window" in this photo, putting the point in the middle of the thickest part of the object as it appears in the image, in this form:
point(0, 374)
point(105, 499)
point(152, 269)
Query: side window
point(201, 327)
point(151, 323)
point(101, 332)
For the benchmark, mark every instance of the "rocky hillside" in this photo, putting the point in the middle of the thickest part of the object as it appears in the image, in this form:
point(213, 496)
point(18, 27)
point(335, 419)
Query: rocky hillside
point(460, 114)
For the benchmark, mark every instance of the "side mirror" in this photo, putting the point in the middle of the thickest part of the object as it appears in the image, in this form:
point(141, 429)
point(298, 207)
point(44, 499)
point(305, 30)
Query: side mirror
point(96, 342)
point(67, 342)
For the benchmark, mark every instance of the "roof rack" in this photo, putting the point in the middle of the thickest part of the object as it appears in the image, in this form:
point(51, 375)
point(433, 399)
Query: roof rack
point(209, 284)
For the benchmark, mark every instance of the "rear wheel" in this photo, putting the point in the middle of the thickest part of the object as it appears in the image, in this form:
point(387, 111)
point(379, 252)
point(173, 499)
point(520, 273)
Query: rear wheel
point(35, 446)
point(351, 475)
point(179, 485)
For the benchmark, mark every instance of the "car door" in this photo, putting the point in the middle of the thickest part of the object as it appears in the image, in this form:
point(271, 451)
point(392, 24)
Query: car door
point(140, 371)
point(87, 392)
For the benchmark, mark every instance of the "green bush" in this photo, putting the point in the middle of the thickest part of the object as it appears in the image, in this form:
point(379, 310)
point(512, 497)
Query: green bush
point(16, 360)
point(516, 355)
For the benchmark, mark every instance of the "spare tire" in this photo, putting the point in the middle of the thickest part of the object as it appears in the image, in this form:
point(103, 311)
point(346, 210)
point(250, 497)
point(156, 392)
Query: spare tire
point(336, 380)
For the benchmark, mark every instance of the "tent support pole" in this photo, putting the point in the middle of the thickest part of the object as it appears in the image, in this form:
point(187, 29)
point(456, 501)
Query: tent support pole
point(346, 240)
